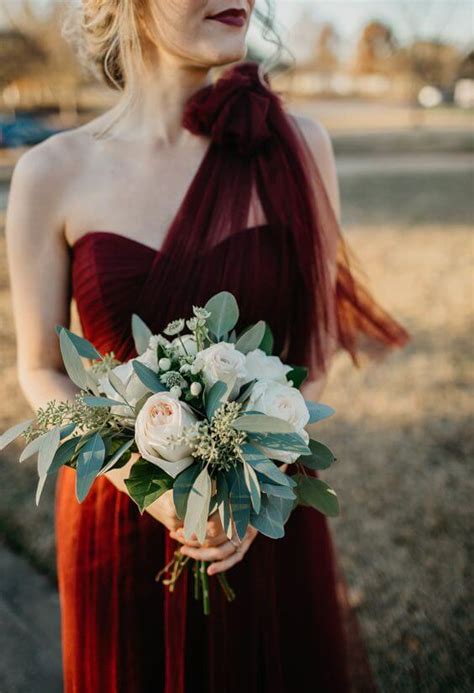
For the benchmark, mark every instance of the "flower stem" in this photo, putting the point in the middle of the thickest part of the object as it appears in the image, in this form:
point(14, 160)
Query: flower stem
point(228, 591)
point(205, 588)
point(197, 583)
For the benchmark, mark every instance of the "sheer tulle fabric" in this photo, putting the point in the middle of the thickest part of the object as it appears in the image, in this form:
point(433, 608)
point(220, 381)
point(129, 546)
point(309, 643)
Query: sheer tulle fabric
point(121, 631)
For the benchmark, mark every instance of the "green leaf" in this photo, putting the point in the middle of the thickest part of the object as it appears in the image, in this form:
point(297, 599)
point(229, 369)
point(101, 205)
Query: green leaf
point(321, 456)
point(182, 488)
point(239, 497)
point(297, 375)
point(83, 346)
point(290, 442)
point(278, 490)
point(253, 486)
point(223, 503)
point(48, 446)
point(89, 463)
point(251, 338)
point(318, 411)
point(224, 313)
point(266, 344)
point(148, 377)
point(141, 334)
point(13, 432)
point(195, 520)
point(64, 454)
point(261, 423)
point(117, 455)
point(99, 401)
point(284, 506)
point(269, 520)
point(146, 483)
point(72, 361)
point(317, 494)
point(262, 465)
point(118, 385)
point(214, 398)
point(141, 402)
point(245, 391)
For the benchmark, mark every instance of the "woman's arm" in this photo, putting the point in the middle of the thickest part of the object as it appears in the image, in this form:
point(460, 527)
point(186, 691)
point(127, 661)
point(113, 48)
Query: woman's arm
point(39, 269)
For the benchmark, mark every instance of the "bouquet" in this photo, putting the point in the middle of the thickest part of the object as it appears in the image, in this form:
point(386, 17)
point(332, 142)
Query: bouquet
point(212, 414)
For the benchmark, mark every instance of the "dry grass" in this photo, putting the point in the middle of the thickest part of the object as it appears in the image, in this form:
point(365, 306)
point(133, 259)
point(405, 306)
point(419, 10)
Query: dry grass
point(403, 435)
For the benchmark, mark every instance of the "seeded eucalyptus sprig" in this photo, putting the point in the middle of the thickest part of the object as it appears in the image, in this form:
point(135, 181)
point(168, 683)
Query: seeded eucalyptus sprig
point(56, 413)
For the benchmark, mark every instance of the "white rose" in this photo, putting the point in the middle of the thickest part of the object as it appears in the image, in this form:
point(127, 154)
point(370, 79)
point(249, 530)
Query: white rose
point(189, 345)
point(283, 402)
point(162, 416)
point(260, 366)
point(224, 362)
point(134, 388)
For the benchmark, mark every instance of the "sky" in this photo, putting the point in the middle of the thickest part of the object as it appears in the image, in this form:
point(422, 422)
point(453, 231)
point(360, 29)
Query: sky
point(449, 20)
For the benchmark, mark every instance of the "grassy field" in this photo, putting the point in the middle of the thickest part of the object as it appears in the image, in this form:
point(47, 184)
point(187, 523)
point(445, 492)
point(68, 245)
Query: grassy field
point(402, 432)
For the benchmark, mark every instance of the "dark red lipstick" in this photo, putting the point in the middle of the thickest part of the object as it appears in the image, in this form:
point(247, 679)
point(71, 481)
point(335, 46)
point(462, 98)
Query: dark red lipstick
point(232, 16)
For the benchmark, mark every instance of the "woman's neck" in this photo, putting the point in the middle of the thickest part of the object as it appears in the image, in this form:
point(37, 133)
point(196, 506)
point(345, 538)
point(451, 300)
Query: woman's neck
point(158, 101)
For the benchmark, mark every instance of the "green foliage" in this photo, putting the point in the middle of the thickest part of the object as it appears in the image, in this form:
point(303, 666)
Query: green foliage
point(83, 347)
point(89, 463)
point(266, 344)
point(224, 313)
point(197, 509)
point(318, 411)
point(182, 488)
point(297, 375)
point(251, 338)
point(141, 334)
point(321, 456)
point(317, 494)
point(214, 398)
point(13, 432)
point(146, 483)
point(148, 377)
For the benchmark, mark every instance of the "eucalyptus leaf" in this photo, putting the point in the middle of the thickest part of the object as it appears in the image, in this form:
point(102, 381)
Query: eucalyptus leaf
point(64, 454)
point(290, 442)
point(317, 494)
point(223, 504)
point(83, 347)
point(48, 446)
point(262, 465)
point(297, 375)
point(321, 456)
point(224, 313)
point(284, 506)
point(251, 338)
point(72, 361)
point(253, 486)
point(239, 497)
point(269, 521)
point(34, 445)
point(182, 488)
point(13, 432)
point(318, 411)
point(117, 455)
point(266, 344)
point(99, 401)
point(141, 402)
point(245, 391)
point(148, 377)
point(146, 483)
point(278, 490)
point(261, 423)
point(118, 385)
point(195, 520)
point(141, 334)
point(215, 397)
point(89, 463)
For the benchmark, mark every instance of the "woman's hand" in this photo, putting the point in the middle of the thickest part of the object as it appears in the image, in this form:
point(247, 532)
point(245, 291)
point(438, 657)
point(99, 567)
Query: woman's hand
point(217, 547)
point(163, 510)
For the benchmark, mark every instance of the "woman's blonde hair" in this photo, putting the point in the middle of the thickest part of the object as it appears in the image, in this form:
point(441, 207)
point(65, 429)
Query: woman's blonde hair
point(112, 38)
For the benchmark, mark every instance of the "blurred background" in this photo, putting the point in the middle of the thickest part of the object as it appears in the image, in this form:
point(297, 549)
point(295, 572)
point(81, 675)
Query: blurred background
point(393, 81)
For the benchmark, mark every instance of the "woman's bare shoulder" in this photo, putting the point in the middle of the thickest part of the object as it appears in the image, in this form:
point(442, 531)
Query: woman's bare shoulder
point(316, 136)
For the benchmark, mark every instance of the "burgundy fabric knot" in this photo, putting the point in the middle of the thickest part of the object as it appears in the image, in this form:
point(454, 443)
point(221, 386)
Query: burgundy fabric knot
point(234, 110)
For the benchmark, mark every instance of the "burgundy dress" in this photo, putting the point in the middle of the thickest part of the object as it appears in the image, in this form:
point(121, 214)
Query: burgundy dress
point(121, 630)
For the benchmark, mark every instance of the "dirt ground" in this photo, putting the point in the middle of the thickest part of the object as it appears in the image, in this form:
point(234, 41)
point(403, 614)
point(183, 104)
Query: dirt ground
point(402, 433)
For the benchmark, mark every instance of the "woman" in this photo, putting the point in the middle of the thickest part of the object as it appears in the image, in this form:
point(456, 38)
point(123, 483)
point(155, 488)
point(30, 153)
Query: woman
point(187, 187)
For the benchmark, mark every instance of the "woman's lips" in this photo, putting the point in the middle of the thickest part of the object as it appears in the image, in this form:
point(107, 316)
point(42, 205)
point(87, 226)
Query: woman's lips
point(232, 17)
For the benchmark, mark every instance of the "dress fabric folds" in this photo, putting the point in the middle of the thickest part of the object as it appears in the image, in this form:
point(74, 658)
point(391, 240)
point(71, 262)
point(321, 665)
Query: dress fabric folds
point(122, 632)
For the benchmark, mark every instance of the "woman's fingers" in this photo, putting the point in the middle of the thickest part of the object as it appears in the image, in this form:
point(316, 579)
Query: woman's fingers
point(213, 553)
point(219, 566)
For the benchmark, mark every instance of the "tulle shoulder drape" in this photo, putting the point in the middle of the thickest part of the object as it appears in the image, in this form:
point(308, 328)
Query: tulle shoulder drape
point(256, 146)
